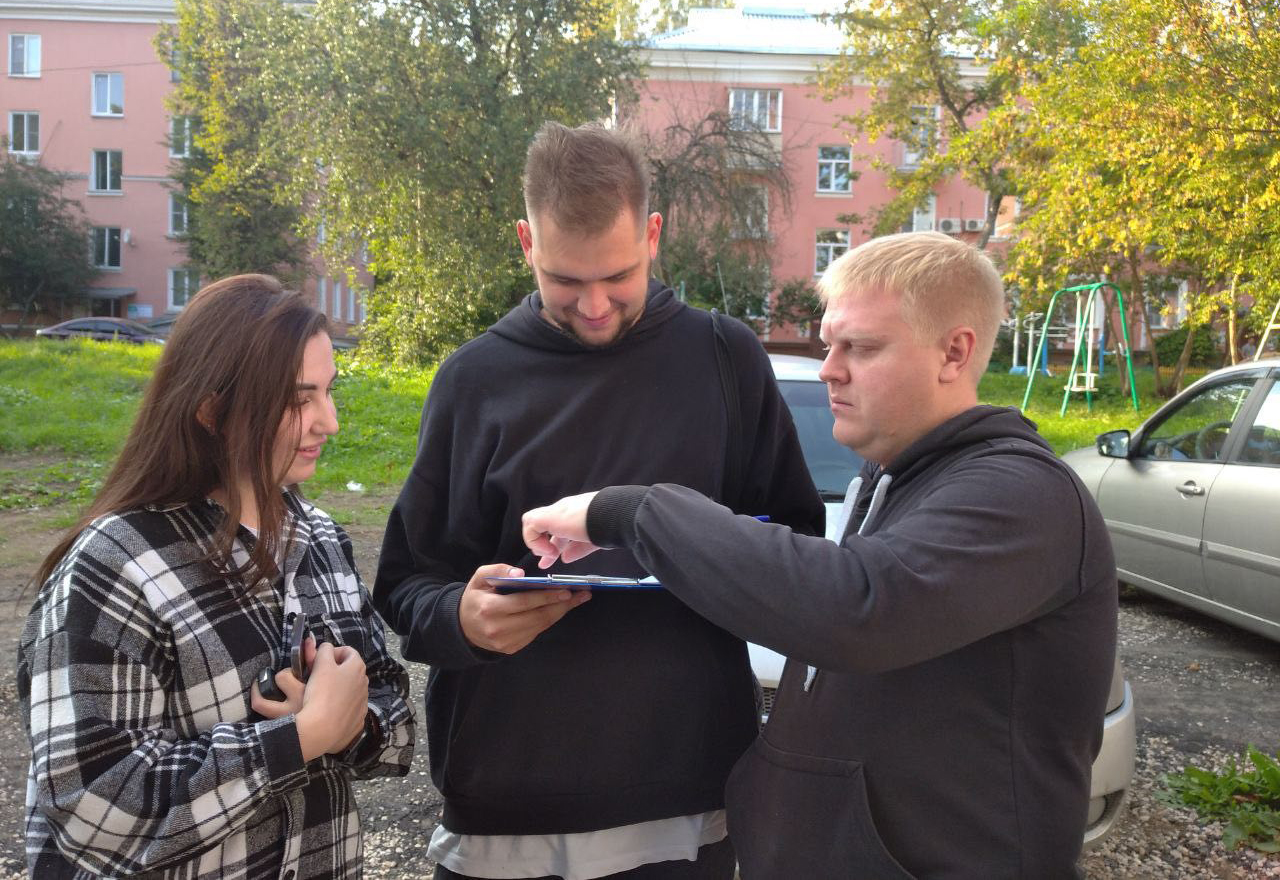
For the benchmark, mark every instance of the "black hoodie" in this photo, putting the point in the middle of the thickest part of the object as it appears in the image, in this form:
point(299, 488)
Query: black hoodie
point(632, 707)
point(949, 660)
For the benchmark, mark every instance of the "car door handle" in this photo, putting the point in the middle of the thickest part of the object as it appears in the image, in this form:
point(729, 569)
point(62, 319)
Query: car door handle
point(1190, 488)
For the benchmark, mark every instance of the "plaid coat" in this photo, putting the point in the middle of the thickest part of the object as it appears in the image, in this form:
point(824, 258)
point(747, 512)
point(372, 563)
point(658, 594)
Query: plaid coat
point(135, 667)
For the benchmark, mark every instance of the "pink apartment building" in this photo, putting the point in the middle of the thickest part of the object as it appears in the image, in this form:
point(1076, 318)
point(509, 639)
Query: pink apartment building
point(759, 65)
point(83, 92)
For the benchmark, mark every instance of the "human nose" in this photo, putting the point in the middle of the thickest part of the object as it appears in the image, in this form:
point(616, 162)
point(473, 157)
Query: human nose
point(594, 302)
point(326, 422)
point(830, 371)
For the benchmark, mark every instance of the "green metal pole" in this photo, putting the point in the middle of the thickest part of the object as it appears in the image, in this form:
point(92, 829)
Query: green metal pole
point(1034, 365)
point(1128, 349)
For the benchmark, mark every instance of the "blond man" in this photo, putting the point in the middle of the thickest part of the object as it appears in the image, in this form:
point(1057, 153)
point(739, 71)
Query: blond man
point(950, 657)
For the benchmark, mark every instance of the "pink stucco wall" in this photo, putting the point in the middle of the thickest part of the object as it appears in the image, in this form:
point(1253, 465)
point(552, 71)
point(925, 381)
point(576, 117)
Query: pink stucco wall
point(807, 123)
point(73, 49)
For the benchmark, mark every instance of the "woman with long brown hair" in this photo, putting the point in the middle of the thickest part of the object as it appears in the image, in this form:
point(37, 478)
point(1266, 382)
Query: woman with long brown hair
point(153, 747)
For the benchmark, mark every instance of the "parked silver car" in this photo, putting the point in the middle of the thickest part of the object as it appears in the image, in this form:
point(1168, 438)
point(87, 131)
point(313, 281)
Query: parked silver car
point(832, 466)
point(1189, 496)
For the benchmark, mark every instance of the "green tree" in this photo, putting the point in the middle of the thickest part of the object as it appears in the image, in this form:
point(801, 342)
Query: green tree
point(1155, 152)
point(44, 239)
point(971, 61)
point(239, 218)
point(716, 186)
point(407, 124)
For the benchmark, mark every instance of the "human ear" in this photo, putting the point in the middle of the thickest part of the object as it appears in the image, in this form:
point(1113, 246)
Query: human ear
point(958, 345)
point(204, 413)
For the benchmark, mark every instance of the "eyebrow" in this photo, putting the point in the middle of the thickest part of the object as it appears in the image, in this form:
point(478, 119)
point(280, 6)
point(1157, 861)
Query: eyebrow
point(308, 386)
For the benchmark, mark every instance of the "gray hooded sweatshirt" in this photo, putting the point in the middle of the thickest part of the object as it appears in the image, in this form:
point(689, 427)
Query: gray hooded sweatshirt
point(949, 662)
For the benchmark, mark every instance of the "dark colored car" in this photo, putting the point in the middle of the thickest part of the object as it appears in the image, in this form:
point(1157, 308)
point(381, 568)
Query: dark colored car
point(107, 329)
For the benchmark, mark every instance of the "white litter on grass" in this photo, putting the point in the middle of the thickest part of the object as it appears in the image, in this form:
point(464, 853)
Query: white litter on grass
point(353, 486)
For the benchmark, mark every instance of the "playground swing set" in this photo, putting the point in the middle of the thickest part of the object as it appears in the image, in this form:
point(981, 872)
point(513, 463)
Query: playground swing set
point(1082, 378)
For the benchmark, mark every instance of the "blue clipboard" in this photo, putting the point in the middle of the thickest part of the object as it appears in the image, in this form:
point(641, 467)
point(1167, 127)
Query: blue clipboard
point(572, 582)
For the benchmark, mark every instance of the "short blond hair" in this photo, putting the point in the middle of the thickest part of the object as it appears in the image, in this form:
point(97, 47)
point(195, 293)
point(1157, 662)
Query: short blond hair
point(941, 281)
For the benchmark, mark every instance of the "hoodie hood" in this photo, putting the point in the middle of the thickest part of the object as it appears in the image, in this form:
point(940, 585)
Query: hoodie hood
point(524, 324)
point(978, 424)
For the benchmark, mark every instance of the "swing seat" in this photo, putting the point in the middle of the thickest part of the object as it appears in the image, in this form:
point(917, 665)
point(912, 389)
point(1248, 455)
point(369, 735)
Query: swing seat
point(1090, 382)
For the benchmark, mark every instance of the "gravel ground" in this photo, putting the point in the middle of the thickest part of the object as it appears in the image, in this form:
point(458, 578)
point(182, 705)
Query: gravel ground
point(1203, 691)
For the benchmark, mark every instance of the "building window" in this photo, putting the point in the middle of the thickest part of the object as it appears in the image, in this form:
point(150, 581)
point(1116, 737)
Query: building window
point(24, 132)
point(322, 287)
point(759, 109)
point(175, 58)
point(337, 300)
point(351, 304)
point(108, 94)
point(106, 247)
point(183, 284)
point(180, 137)
point(922, 218)
point(364, 309)
point(919, 143)
point(754, 219)
point(106, 171)
point(24, 54)
point(835, 169)
point(831, 245)
point(177, 214)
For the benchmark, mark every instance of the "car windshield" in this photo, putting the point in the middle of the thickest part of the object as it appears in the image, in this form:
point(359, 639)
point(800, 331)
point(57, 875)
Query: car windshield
point(831, 465)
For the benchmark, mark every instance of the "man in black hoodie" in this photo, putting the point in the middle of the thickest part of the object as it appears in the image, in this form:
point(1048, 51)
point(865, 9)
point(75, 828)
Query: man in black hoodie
point(574, 738)
point(950, 657)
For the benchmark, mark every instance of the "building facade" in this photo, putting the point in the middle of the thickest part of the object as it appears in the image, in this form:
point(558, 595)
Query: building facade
point(83, 93)
point(759, 65)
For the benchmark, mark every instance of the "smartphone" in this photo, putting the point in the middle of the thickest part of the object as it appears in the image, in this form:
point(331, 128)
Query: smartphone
point(297, 660)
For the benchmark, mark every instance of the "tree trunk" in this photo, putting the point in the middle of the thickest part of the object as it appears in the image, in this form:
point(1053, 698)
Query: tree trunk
point(1184, 359)
point(1232, 350)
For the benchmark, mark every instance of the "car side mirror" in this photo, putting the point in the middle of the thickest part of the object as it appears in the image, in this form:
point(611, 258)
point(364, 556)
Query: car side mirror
point(1114, 444)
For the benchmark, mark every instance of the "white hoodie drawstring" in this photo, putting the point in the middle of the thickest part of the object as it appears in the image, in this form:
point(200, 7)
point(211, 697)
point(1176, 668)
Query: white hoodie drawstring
point(846, 511)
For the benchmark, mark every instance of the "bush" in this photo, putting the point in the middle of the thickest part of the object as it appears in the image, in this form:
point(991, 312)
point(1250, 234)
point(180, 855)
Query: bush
point(1204, 349)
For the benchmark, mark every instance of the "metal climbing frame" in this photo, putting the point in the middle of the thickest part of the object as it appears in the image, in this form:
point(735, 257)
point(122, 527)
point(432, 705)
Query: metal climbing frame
point(1084, 380)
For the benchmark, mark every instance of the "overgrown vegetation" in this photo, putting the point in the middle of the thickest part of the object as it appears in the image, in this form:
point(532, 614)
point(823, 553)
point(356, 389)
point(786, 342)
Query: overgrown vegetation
point(1246, 799)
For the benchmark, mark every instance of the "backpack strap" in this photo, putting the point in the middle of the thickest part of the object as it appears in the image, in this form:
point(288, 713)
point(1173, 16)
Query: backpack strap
point(733, 470)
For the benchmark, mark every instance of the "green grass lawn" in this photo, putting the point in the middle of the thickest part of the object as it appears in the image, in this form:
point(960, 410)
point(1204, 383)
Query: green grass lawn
point(65, 408)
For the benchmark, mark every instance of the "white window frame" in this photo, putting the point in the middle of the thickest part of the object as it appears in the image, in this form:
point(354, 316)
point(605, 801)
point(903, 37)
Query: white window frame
point(752, 226)
point(182, 140)
point(27, 116)
point(94, 110)
point(828, 249)
point(100, 248)
point(337, 300)
point(736, 117)
point(831, 164)
point(178, 207)
point(191, 281)
point(93, 172)
point(364, 308)
point(351, 304)
point(923, 219)
point(322, 290)
point(921, 113)
point(29, 41)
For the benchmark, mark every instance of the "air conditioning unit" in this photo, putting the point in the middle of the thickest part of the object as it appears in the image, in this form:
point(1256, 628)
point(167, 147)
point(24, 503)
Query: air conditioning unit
point(974, 225)
point(950, 225)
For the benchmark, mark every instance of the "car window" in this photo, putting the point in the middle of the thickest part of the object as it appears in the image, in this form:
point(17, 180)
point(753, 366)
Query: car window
point(1262, 445)
point(138, 329)
point(831, 465)
point(1198, 430)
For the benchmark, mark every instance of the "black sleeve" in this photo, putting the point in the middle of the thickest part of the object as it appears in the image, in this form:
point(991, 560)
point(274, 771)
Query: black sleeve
point(435, 539)
point(776, 481)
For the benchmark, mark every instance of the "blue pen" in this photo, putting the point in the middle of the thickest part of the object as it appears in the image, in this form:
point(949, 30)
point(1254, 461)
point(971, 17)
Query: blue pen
point(764, 517)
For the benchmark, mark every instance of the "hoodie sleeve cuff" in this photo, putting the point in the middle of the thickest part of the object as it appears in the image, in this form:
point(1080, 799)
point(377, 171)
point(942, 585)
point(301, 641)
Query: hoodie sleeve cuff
point(611, 516)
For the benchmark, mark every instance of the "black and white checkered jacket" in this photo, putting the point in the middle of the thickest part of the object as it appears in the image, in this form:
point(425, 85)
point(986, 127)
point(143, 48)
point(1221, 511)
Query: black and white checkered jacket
point(135, 667)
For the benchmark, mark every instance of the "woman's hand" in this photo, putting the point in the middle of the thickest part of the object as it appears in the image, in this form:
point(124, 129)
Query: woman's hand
point(334, 702)
point(289, 686)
